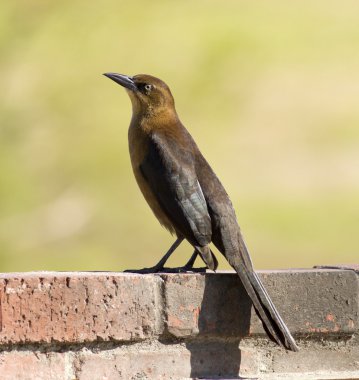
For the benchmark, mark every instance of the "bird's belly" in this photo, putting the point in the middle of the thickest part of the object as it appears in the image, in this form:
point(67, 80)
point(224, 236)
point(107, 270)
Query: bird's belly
point(152, 200)
point(138, 151)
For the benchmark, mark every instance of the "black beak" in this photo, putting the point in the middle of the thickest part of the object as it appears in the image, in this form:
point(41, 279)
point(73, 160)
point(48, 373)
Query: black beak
point(123, 80)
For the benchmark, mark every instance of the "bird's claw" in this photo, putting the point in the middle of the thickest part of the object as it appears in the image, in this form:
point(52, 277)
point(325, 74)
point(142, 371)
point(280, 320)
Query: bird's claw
point(183, 270)
point(144, 270)
point(166, 270)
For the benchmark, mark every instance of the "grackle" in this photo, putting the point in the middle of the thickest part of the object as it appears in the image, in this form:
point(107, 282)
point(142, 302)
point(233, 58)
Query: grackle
point(185, 194)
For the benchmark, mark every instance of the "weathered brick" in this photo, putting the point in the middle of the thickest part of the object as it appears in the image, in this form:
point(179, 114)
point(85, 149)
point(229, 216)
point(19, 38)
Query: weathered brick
point(316, 301)
point(211, 304)
point(318, 358)
point(310, 302)
point(78, 307)
point(222, 360)
point(212, 312)
point(29, 365)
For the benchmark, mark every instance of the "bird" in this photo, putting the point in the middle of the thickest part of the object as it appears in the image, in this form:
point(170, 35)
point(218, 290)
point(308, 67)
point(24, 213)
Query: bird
point(186, 195)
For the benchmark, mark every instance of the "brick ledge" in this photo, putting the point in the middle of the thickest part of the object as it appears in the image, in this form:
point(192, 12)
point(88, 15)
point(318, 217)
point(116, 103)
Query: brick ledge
point(155, 325)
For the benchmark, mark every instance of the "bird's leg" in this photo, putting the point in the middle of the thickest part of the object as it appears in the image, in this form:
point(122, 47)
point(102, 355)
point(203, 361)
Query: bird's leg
point(160, 265)
point(190, 262)
point(188, 267)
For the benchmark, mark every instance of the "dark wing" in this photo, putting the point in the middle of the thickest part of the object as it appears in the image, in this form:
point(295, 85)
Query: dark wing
point(170, 172)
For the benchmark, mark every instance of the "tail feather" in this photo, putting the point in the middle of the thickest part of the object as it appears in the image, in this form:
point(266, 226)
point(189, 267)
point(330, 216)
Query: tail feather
point(208, 257)
point(263, 305)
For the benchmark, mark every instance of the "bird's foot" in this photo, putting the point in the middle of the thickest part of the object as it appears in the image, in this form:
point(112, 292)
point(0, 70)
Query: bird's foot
point(150, 270)
point(184, 269)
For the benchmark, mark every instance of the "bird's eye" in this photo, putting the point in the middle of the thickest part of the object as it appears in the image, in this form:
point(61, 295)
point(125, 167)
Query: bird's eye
point(148, 87)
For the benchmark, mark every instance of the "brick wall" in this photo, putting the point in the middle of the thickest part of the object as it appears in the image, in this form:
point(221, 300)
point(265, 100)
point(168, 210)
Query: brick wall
point(104, 325)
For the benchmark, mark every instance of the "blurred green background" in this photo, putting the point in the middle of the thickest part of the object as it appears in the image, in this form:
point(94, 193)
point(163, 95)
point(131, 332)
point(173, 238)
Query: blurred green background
point(269, 90)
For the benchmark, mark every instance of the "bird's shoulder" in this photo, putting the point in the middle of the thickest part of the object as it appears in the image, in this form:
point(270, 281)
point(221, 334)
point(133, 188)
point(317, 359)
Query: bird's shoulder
point(174, 142)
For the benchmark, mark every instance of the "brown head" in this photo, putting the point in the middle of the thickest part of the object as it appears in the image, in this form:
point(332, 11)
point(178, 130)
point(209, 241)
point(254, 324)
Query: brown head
point(149, 95)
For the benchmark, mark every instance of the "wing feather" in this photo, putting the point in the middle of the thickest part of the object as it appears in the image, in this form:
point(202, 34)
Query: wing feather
point(170, 172)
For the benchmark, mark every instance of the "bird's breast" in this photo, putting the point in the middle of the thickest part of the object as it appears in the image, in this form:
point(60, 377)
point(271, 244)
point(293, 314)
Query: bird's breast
point(139, 145)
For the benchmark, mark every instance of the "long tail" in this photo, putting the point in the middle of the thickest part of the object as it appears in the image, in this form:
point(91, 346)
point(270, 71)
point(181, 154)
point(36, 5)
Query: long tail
point(272, 322)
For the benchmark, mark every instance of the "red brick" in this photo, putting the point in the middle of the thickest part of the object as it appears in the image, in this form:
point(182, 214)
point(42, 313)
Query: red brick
point(316, 302)
point(82, 307)
point(28, 365)
point(310, 302)
point(75, 307)
point(211, 304)
point(135, 314)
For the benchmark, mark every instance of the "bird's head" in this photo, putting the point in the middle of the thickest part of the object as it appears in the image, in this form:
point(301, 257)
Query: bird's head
point(149, 95)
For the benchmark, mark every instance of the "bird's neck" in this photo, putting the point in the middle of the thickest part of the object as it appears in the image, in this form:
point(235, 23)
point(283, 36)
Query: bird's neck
point(151, 119)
